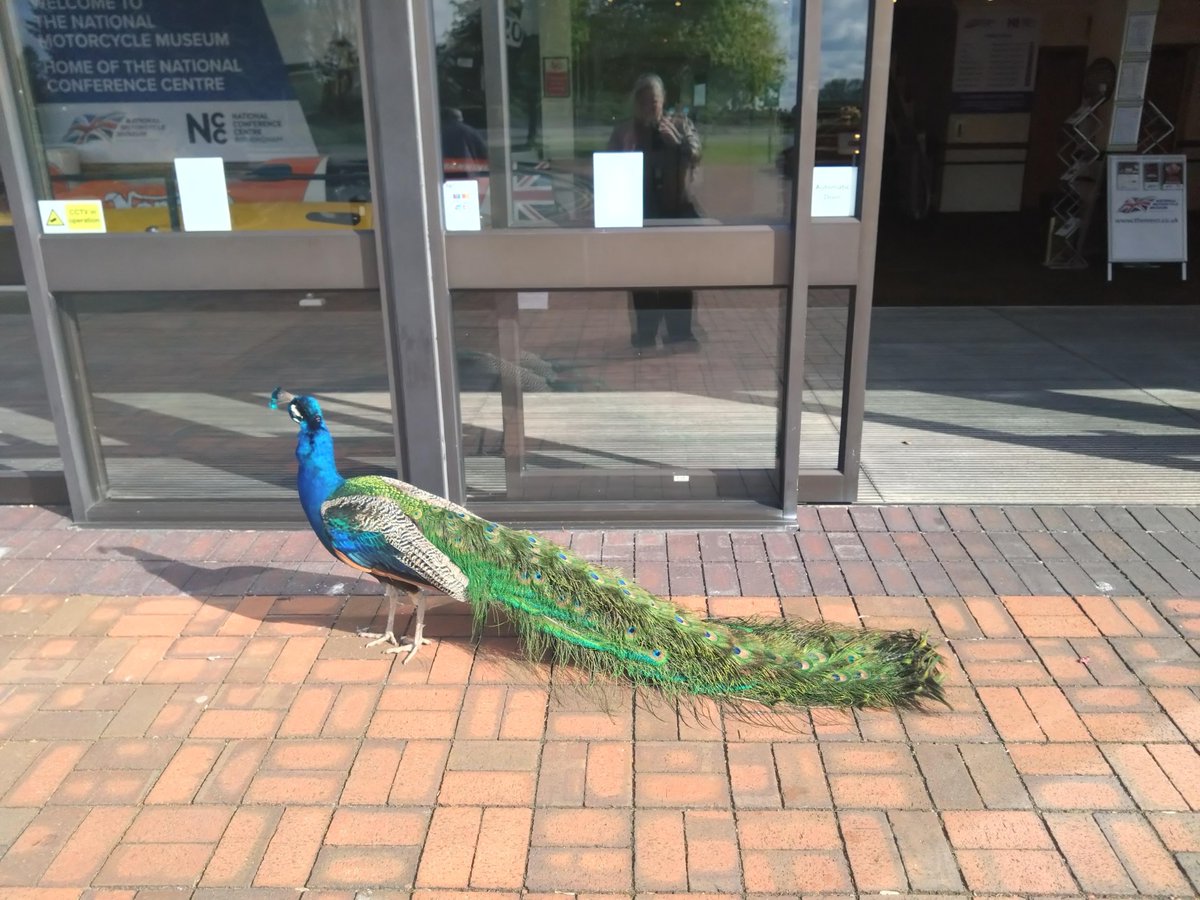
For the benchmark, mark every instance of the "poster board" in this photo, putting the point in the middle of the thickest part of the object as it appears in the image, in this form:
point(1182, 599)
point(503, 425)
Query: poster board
point(1147, 209)
point(995, 60)
point(148, 81)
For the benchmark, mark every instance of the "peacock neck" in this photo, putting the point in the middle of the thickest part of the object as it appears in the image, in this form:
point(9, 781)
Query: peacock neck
point(318, 475)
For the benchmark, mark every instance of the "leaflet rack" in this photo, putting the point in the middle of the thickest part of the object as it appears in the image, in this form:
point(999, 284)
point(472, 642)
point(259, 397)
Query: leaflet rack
point(1080, 183)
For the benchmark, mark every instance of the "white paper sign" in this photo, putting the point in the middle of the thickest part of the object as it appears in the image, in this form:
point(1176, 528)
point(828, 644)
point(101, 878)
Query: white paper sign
point(617, 189)
point(203, 195)
point(71, 216)
point(460, 200)
point(1147, 208)
point(835, 191)
point(533, 299)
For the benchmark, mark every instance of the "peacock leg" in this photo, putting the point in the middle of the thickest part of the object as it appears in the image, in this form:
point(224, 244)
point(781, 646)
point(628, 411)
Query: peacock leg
point(388, 636)
point(413, 644)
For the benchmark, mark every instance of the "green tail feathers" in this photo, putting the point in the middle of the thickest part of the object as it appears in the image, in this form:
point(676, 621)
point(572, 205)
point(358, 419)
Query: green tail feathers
point(599, 621)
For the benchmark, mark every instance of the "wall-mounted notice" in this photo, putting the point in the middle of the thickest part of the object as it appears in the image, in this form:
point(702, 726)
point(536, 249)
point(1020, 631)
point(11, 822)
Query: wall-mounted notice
point(995, 58)
point(835, 191)
point(617, 188)
point(1147, 209)
point(153, 80)
point(556, 76)
point(203, 194)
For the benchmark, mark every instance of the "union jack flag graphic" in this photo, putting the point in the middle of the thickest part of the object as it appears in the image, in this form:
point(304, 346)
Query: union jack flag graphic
point(533, 195)
point(91, 127)
point(544, 195)
point(1136, 204)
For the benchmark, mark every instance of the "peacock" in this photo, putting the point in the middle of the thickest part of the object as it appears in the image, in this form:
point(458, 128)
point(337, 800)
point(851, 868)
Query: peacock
point(583, 614)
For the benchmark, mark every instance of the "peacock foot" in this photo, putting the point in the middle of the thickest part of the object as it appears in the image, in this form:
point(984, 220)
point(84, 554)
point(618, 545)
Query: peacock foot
point(386, 638)
point(410, 645)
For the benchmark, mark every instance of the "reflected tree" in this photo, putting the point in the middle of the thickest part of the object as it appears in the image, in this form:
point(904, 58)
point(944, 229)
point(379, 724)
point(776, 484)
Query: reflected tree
point(729, 46)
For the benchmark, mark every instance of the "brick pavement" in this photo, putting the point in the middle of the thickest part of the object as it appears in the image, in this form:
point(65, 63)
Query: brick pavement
point(191, 714)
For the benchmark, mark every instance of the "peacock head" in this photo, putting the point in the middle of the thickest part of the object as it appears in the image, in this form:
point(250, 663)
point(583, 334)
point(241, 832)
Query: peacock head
point(304, 410)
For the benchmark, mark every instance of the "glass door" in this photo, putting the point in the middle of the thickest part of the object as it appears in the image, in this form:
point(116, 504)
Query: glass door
point(618, 207)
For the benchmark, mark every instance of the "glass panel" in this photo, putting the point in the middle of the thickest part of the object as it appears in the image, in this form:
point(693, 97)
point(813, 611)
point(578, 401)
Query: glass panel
point(27, 439)
point(119, 91)
point(189, 419)
point(712, 128)
point(825, 344)
point(842, 98)
point(571, 395)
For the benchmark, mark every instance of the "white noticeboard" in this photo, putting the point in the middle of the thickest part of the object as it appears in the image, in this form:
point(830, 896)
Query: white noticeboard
point(1147, 210)
point(617, 189)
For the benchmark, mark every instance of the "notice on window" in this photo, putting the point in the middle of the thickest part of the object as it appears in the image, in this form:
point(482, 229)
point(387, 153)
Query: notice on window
point(460, 201)
point(128, 81)
point(835, 191)
point(1147, 208)
point(71, 216)
point(617, 188)
point(203, 195)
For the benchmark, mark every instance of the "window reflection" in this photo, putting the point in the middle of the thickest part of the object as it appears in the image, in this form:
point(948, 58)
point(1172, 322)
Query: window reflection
point(118, 92)
point(728, 69)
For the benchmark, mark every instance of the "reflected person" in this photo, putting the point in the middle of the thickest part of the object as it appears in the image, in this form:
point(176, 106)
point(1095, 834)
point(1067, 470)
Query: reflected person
point(464, 151)
point(670, 150)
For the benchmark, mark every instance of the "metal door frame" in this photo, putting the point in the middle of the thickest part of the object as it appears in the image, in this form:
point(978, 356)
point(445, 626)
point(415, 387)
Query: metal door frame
point(394, 259)
point(414, 263)
point(808, 253)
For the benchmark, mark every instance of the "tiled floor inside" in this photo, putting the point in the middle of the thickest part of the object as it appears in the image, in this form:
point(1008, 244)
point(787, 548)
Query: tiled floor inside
point(193, 714)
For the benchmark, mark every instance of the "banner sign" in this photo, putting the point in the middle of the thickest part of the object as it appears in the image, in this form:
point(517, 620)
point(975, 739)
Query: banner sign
point(995, 59)
point(152, 80)
point(1147, 208)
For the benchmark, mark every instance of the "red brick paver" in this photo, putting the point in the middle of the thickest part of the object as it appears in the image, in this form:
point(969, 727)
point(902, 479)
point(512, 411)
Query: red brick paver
point(228, 746)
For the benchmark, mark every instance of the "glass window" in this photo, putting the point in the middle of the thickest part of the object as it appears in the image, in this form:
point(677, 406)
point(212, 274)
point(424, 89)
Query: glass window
point(825, 342)
point(27, 439)
point(705, 90)
point(841, 100)
point(626, 396)
point(178, 387)
point(119, 91)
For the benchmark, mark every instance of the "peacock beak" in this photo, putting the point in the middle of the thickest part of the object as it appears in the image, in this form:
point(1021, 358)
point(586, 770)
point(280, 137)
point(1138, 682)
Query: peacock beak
point(280, 396)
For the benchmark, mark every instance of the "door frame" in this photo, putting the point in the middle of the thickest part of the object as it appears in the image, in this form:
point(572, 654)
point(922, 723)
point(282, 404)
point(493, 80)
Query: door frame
point(827, 252)
point(413, 263)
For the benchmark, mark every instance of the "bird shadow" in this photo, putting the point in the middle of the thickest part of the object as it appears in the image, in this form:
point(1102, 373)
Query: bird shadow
point(295, 602)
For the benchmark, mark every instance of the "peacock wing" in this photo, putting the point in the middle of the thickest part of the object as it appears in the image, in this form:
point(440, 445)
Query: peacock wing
point(374, 533)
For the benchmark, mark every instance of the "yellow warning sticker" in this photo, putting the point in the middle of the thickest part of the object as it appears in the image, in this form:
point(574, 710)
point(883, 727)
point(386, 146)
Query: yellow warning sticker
point(86, 216)
point(71, 216)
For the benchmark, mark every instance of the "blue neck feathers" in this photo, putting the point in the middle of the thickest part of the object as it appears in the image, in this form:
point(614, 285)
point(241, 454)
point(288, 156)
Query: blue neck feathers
point(318, 475)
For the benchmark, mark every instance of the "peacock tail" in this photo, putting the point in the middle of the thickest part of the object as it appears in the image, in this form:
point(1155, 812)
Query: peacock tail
point(596, 619)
